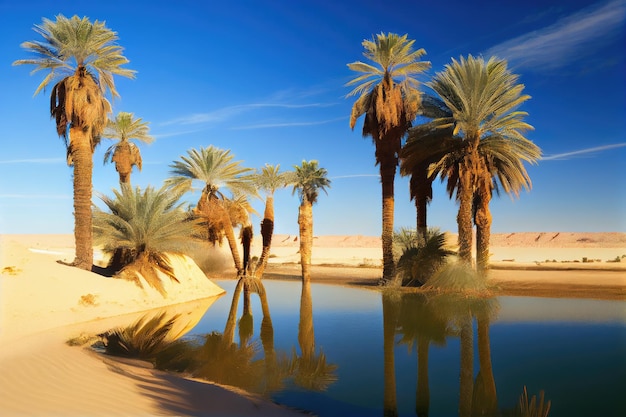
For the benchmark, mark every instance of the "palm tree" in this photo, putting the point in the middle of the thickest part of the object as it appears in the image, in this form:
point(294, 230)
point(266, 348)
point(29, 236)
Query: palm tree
point(124, 153)
point(268, 179)
point(308, 179)
point(422, 257)
point(483, 98)
point(140, 229)
point(426, 144)
point(85, 55)
point(388, 95)
point(216, 169)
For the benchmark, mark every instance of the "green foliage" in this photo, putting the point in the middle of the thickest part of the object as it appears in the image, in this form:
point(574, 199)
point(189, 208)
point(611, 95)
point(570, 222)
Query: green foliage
point(76, 42)
point(269, 178)
point(308, 179)
point(421, 256)
point(140, 227)
point(457, 277)
point(215, 168)
point(126, 128)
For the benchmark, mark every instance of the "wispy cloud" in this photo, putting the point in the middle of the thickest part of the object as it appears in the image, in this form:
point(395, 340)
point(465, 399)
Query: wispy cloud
point(566, 40)
point(229, 112)
point(34, 161)
point(567, 155)
point(288, 124)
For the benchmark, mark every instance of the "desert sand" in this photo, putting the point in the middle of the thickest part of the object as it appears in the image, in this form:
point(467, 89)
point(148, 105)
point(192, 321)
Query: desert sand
point(43, 304)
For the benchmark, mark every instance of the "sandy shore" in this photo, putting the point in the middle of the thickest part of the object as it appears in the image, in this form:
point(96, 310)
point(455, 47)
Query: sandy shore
point(44, 303)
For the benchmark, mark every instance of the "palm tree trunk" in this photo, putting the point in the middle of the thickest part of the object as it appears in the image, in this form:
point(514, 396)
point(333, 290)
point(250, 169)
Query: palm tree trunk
point(246, 322)
point(464, 216)
point(422, 394)
point(82, 156)
point(423, 193)
point(231, 321)
point(232, 242)
point(306, 332)
point(390, 319)
point(387, 177)
point(483, 226)
point(489, 403)
point(467, 367)
point(267, 231)
point(246, 243)
point(305, 221)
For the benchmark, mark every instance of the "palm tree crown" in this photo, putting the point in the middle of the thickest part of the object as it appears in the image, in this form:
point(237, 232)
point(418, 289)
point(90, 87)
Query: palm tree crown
point(124, 153)
point(215, 168)
point(308, 179)
point(73, 43)
point(141, 227)
point(269, 178)
point(393, 61)
point(482, 97)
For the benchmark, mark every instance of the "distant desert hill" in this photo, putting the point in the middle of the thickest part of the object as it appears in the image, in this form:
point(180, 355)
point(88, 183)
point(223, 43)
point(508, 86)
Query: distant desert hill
point(520, 239)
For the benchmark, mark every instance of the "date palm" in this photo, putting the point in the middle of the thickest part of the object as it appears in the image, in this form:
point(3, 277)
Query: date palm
point(308, 179)
point(426, 143)
point(139, 229)
point(269, 179)
point(389, 98)
point(218, 173)
point(82, 58)
point(477, 145)
point(126, 129)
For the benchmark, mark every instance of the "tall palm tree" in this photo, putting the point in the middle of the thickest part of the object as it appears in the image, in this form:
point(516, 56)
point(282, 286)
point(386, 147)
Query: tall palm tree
point(477, 145)
point(268, 179)
point(85, 58)
point(426, 143)
point(388, 95)
point(218, 172)
point(483, 98)
point(124, 152)
point(141, 227)
point(308, 180)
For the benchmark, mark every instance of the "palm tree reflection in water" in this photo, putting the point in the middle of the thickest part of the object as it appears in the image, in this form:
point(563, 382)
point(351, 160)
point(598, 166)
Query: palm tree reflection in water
point(219, 359)
point(421, 319)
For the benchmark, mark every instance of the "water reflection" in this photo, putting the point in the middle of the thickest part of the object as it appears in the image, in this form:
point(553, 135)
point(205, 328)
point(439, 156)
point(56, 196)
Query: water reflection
point(396, 353)
point(421, 319)
point(248, 364)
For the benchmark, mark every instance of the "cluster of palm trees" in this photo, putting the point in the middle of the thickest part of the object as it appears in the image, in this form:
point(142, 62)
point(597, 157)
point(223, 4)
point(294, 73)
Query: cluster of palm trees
point(472, 136)
point(141, 225)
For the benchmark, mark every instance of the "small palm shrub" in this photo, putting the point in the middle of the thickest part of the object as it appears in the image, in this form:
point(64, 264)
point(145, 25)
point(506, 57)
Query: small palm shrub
point(139, 229)
point(421, 256)
point(144, 339)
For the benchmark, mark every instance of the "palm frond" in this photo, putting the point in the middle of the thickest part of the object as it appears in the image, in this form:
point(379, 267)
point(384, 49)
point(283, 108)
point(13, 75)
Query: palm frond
point(309, 179)
point(71, 43)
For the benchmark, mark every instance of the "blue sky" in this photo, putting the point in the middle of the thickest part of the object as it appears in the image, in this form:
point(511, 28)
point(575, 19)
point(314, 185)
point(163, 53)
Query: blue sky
point(266, 79)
